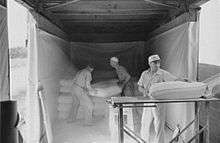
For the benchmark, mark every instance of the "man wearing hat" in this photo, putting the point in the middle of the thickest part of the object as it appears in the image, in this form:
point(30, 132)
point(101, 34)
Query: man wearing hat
point(123, 76)
point(81, 89)
point(127, 86)
point(156, 114)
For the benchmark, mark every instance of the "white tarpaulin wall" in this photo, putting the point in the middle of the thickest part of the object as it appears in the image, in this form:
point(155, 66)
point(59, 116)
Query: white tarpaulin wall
point(53, 65)
point(48, 63)
point(4, 73)
point(178, 49)
point(33, 112)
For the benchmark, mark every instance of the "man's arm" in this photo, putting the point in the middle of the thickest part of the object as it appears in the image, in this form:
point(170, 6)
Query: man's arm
point(126, 79)
point(88, 78)
point(141, 86)
point(142, 90)
point(183, 79)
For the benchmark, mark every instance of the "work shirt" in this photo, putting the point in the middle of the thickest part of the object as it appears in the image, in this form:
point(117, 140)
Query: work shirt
point(147, 79)
point(83, 78)
point(122, 73)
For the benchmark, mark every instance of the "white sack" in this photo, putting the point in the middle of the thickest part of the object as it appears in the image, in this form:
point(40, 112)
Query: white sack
point(66, 82)
point(177, 90)
point(106, 89)
point(212, 81)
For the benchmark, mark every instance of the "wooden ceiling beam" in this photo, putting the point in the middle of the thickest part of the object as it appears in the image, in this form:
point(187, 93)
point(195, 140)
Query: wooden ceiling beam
point(109, 5)
point(110, 11)
point(197, 3)
point(26, 3)
point(110, 17)
point(127, 29)
point(107, 14)
point(62, 4)
point(108, 22)
point(163, 4)
point(47, 14)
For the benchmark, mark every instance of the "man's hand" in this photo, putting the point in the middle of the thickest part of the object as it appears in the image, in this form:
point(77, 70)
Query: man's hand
point(93, 91)
point(184, 80)
point(143, 91)
point(121, 84)
point(146, 93)
point(187, 80)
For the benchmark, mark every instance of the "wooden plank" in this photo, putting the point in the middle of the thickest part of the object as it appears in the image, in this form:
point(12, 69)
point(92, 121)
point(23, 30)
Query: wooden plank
point(106, 37)
point(109, 22)
point(197, 108)
point(91, 18)
point(136, 100)
point(161, 3)
point(111, 11)
point(120, 126)
point(62, 4)
point(197, 3)
point(110, 5)
point(207, 132)
point(108, 29)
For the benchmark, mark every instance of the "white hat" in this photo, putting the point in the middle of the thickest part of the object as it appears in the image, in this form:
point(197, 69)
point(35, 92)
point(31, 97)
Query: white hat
point(153, 58)
point(115, 59)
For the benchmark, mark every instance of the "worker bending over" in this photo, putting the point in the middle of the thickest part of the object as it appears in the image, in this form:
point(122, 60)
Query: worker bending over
point(156, 114)
point(127, 86)
point(123, 76)
point(80, 93)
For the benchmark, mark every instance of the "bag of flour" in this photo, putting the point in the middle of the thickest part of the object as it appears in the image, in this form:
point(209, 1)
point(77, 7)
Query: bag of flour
point(177, 90)
point(106, 89)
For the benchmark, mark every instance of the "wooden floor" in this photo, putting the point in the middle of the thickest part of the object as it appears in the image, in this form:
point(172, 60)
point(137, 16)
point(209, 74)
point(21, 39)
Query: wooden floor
point(98, 133)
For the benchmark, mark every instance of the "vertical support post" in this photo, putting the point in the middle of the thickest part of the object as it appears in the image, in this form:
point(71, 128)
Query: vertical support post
point(120, 125)
point(207, 106)
point(197, 106)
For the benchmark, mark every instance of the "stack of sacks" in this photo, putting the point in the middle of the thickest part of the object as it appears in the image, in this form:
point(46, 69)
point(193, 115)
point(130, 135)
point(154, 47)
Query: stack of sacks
point(66, 86)
point(177, 90)
point(66, 99)
point(213, 84)
point(65, 102)
point(100, 106)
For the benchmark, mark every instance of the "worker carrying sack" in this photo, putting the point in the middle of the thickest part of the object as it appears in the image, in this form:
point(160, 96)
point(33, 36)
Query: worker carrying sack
point(177, 90)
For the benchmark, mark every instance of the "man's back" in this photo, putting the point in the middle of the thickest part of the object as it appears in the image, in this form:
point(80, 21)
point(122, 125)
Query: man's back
point(81, 77)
